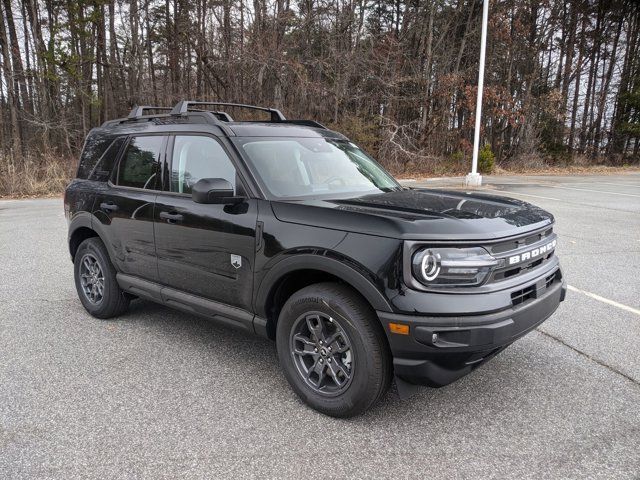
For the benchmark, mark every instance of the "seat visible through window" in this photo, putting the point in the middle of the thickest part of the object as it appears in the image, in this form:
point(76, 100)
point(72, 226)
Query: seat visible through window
point(198, 157)
point(281, 167)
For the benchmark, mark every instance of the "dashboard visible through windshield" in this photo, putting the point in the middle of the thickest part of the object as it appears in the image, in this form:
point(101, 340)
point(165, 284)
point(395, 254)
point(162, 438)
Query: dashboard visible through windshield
point(313, 167)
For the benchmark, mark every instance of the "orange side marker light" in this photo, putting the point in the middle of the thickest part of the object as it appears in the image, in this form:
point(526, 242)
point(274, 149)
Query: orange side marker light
point(399, 328)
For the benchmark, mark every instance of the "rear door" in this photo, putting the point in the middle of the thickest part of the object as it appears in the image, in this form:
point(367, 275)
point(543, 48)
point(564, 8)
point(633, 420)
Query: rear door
point(126, 206)
point(204, 249)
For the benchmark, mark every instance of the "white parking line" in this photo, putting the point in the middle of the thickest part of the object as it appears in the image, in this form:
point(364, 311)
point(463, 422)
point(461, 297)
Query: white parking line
point(518, 193)
point(605, 300)
point(594, 191)
point(637, 185)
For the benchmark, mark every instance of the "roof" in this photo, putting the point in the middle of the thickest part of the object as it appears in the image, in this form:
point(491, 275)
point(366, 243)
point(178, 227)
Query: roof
point(280, 129)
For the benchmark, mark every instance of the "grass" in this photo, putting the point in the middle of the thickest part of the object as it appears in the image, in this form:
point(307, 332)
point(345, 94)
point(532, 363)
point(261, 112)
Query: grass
point(524, 165)
point(35, 176)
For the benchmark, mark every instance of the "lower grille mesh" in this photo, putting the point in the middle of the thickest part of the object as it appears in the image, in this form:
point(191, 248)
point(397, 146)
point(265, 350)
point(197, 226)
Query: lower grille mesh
point(521, 296)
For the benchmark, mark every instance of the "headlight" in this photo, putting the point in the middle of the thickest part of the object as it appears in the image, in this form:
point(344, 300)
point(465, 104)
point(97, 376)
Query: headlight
point(452, 267)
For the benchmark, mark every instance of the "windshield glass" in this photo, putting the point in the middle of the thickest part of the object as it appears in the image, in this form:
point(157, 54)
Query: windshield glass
point(314, 167)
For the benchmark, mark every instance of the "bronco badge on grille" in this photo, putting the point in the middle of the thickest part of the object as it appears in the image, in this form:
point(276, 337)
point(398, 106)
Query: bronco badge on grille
point(536, 252)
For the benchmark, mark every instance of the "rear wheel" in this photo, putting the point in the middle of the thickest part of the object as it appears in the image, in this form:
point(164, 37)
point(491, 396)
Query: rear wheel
point(332, 350)
point(95, 279)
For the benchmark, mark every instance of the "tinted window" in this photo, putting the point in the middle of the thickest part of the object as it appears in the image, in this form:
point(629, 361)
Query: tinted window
point(102, 171)
point(139, 164)
point(197, 157)
point(97, 143)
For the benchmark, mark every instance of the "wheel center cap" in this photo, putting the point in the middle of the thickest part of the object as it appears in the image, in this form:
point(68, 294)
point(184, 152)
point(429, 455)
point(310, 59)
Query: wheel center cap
point(324, 352)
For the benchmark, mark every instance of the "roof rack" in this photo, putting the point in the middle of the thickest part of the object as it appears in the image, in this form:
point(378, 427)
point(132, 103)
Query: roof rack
point(220, 115)
point(216, 117)
point(223, 116)
point(138, 110)
point(306, 123)
point(182, 107)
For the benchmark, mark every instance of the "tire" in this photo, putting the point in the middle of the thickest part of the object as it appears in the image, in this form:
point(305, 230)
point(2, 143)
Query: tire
point(351, 381)
point(113, 301)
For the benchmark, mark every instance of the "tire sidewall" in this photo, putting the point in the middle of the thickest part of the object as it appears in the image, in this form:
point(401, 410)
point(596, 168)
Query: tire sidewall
point(94, 247)
point(366, 377)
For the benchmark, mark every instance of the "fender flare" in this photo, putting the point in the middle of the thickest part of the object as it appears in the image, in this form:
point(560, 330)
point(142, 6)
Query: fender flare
point(88, 220)
point(325, 264)
point(79, 220)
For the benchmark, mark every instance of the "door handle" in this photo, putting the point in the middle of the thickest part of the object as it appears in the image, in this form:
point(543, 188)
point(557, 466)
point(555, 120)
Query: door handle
point(108, 206)
point(171, 217)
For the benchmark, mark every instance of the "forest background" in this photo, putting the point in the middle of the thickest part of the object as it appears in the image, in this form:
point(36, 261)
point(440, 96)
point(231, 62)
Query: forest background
point(562, 81)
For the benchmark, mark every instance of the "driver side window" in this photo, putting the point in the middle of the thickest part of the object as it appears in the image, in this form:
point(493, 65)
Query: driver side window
point(196, 157)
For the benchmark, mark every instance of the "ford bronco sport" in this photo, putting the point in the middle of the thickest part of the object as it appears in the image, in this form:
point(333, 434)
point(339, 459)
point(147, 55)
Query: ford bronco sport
point(288, 230)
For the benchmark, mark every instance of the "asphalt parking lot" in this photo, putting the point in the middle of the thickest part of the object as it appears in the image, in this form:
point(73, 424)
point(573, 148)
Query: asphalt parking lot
point(160, 394)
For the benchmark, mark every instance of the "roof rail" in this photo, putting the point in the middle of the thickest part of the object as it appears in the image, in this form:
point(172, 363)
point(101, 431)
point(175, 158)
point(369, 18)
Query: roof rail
point(182, 107)
point(138, 110)
point(307, 123)
point(220, 115)
point(223, 116)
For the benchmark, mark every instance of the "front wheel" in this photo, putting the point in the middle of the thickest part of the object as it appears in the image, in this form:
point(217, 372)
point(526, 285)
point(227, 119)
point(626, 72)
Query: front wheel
point(333, 350)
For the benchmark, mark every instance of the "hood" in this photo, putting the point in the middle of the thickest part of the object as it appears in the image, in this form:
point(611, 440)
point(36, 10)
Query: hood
point(416, 214)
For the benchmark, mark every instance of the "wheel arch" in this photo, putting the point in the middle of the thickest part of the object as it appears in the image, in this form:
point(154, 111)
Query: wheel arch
point(84, 226)
point(299, 271)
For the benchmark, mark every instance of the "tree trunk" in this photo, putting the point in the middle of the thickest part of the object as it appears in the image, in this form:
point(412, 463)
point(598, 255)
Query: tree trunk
point(576, 90)
point(605, 87)
point(593, 68)
point(12, 94)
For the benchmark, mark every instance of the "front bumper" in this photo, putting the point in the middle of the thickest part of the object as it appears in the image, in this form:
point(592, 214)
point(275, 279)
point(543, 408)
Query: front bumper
point(440, 349)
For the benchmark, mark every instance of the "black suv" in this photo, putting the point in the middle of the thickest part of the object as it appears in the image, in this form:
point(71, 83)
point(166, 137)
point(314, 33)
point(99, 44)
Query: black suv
point(288, 230)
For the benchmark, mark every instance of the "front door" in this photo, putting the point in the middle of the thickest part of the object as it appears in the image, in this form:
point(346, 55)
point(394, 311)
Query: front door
point(203, 249)
point(125, 207)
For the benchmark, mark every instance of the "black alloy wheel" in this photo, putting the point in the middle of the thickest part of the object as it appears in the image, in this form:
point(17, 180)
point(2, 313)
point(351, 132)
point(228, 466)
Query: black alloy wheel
point(91, 278)
point(322, 353)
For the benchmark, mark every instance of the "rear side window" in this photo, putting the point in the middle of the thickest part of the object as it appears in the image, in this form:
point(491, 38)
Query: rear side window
point(139, 165)
point(104, 167)
point(98, 141)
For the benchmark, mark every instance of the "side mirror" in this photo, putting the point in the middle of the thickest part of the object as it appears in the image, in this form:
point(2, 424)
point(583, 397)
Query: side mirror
point(214, 190)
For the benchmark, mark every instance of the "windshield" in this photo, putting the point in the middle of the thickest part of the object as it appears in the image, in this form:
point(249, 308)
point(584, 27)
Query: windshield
point(313, 167)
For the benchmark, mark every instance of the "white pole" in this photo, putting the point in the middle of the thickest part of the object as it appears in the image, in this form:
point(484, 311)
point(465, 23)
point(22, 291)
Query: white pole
point(474, 178)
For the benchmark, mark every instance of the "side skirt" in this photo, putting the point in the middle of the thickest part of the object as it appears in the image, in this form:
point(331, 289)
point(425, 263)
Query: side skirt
point(218, 312)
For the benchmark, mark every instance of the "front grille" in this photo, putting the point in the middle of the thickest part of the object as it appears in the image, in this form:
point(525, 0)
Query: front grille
point(518, 242)
point(512, 272)
point(522, 245)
